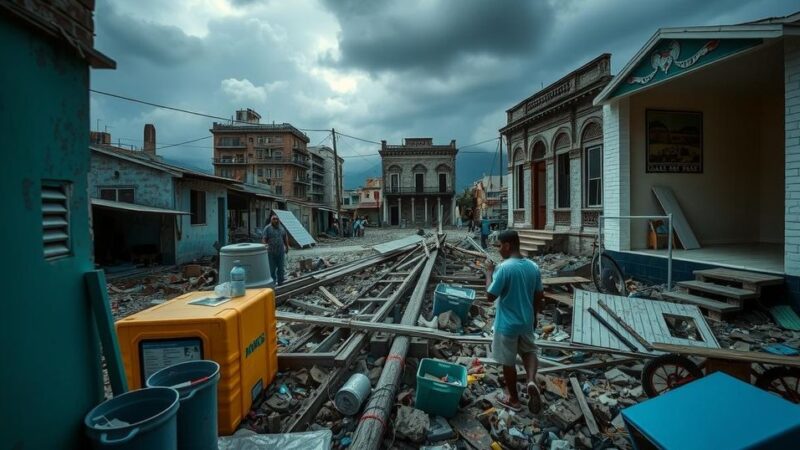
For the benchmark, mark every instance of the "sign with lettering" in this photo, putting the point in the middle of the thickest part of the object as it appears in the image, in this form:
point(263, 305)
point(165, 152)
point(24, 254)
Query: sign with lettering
point(671, 57)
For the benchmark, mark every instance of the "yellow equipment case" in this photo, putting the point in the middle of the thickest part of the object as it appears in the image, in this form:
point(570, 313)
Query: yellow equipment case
point(238, 333)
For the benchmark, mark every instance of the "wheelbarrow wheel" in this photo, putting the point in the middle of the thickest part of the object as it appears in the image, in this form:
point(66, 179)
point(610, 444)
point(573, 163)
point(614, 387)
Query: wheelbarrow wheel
point(668, 372)
point(783, 381)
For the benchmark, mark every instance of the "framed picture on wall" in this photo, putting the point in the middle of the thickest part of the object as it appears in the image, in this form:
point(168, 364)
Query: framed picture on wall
point(674, 141)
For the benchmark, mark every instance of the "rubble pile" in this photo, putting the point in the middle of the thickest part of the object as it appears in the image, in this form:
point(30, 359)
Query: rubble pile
point(132, 294)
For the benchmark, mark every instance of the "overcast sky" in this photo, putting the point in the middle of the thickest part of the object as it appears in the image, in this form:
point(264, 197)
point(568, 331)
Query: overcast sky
point(373, 69)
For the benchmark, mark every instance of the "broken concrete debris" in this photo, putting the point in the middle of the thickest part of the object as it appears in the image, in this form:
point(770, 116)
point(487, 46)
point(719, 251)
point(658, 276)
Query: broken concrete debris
point(412, 424)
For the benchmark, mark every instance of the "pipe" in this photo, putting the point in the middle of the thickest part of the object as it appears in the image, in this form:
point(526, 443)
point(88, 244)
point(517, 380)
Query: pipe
point(376, 415)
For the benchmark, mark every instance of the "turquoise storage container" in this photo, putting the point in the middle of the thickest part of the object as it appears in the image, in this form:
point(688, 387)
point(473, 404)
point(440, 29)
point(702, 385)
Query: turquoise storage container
point(438, 397)
point(137, 420)
point(453, 298)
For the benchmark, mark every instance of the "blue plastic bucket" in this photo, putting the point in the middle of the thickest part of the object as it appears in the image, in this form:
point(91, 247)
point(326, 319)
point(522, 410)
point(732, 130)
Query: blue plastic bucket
point(197, 418)
point(136, 420)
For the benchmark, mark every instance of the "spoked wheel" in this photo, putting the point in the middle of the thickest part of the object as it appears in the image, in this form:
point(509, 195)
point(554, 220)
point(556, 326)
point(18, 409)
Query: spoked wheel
point(783, 381)
point(668, 372)
point(608, 278)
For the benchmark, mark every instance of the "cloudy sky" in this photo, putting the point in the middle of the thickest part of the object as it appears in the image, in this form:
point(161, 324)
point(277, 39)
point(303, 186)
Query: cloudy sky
point(372, 69)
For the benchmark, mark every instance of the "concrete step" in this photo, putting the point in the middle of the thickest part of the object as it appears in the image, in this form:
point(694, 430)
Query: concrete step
point(703, 302)
point(747, 280)
point(524, 240)
point(717, 289)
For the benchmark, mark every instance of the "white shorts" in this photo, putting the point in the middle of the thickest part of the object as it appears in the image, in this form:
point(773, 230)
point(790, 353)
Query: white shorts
point(506, 348)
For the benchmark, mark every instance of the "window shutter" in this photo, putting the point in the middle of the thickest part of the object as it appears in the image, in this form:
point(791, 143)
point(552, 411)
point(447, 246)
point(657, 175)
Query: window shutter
point(55, 220)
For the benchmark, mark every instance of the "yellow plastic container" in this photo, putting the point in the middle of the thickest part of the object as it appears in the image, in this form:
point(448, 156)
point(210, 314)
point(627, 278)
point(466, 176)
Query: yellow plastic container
point(239, 334)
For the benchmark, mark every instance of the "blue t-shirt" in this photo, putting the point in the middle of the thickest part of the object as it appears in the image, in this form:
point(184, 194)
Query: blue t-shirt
point(485, 227)
point(514, 282)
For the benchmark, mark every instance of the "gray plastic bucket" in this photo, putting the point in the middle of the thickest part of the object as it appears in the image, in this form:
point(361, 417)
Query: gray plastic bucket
point(136, 420)
point(350, 397)
point(197, 418)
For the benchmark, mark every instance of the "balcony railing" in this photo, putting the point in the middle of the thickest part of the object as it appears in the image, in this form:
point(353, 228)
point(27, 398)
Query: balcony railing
point(302, 180)
point(398, 190)
point(301, 162)
point(266, 159)
point(232, 160)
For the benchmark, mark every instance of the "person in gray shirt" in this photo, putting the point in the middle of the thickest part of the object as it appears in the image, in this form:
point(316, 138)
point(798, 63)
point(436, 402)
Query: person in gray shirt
point(277, 242)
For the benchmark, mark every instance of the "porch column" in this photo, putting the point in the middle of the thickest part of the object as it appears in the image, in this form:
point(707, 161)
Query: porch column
point(550, 193)
point(791, 125)
point(439, 210)
point(399, 211)
point(385, 211)
point(616, 173)
point(510, 196)
point(576, 189)
point(528, 197)
point(413, 211)
point(426, 210)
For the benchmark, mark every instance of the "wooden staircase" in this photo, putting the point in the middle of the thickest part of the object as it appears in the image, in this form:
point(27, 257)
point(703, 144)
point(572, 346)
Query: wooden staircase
point(534, 242)
point(722, 291)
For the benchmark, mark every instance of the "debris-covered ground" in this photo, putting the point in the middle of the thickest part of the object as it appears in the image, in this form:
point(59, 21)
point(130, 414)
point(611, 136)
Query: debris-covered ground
point(567, 379)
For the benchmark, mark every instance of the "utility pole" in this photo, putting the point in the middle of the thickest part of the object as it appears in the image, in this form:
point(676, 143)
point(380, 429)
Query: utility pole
point(337, 175)
point(502, 170)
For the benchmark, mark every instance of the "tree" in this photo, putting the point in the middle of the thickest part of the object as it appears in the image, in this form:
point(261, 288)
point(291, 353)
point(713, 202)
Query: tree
point(466, 200)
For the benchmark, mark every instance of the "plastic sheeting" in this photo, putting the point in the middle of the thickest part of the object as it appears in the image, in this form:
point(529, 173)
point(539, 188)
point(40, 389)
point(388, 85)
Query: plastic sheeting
point(310, 440)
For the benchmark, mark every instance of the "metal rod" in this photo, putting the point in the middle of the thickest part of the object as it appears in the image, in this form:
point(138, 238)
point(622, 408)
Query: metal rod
point(669, 253)
point(371, 428)
point(613, 330)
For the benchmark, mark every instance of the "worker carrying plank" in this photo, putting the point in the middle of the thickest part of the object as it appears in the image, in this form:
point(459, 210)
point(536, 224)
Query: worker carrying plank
point(516, 284)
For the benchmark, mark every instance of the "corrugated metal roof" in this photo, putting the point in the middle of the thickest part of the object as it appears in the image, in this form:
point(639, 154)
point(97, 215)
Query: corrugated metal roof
point(294, 228)
point(134, 207)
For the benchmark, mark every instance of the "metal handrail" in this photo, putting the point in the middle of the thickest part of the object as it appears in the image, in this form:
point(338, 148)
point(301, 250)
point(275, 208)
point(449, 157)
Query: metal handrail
point(668, 217)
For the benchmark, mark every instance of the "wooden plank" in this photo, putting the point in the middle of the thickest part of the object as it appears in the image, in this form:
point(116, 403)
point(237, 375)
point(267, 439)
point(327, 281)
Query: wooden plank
point(625, 325)
point(725, 291)
point(754, 278)
point(101, 310)
point(588, 365)
point(612, 330)
point(316, 309)
point(734, 355)
point(330, 297)
point(561, 281)
point(563, 298)
point(670, 204)
point(591, 423)
point(703, 302)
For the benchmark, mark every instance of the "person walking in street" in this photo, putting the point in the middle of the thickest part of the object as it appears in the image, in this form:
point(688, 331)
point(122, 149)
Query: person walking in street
point(485, 230)
point(277, 241)
point(516, 285)
point(364, 224)
point(470, 221)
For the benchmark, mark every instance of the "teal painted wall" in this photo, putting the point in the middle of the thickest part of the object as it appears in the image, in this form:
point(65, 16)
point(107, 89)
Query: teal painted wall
point(50, 372)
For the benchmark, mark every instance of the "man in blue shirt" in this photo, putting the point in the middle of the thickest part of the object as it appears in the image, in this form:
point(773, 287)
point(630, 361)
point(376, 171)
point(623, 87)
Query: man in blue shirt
point(276, 239)
point(485, 230)
point(516, 284)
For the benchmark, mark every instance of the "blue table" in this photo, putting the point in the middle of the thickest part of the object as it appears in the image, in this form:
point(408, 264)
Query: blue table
point(716, 412)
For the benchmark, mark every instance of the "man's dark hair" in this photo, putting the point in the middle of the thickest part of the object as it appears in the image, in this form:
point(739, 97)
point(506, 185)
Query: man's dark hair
point(509, 236)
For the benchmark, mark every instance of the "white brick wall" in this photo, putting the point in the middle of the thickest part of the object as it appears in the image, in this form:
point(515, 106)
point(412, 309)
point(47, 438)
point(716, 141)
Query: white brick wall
point(551, 194)
point(528, 195)
point(791, 64)
point(575, 187)
point(616, 173)
point(511, 200)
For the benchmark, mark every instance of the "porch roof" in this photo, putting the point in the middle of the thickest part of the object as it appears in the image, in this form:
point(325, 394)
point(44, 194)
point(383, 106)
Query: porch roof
point(135, 207)
point(651, 56)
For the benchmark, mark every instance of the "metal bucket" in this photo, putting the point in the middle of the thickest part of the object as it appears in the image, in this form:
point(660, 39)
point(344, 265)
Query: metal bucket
point(136, 420)
point(253, 258)
point(352, 395)
point(197, 417)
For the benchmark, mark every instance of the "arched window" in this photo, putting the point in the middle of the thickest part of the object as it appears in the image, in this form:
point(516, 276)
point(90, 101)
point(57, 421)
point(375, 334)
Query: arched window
point(539, 151)
point(393, 183)
point(561, 145)
point(443, 171)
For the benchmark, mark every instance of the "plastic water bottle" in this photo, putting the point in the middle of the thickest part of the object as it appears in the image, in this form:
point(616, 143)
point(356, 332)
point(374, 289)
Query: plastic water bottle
point(237, 279)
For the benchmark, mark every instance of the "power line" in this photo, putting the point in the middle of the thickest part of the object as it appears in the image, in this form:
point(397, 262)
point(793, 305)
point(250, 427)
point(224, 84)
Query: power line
point(185, 142)
point(477, 143)
point(358, 138)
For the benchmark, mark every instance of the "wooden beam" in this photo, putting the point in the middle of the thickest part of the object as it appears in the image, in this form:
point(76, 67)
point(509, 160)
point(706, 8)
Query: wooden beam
point(591, 423)
point(561, 281)
point(733, 355)
point(330, 297)
point(316, 309)
point(625, 325)
point(588, 365)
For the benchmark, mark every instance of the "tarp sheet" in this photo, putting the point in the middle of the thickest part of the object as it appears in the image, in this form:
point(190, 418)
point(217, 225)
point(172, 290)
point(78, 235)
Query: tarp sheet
point(294, 228)
point(311, 440)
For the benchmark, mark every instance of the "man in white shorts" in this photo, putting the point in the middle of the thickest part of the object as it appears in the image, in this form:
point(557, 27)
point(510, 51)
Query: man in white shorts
point(516, 284)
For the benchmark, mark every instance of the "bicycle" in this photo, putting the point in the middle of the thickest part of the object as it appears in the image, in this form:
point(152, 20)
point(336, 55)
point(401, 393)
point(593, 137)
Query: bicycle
point(606, 273)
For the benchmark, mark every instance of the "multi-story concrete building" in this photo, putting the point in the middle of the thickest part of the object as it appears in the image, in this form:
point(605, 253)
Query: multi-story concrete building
point(257, 153)
point(555, 154)
point(418, 179)
point(323, 175)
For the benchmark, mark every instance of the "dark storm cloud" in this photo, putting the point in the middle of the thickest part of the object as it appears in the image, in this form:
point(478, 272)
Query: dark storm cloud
point(430, 37)
point(158, 44)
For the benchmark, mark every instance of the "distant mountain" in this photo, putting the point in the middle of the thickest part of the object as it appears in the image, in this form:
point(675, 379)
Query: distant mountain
point(469, 167)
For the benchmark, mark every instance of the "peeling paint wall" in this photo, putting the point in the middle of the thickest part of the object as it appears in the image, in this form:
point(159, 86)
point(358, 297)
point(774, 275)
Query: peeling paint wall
point(195, 241)
point(152, 187)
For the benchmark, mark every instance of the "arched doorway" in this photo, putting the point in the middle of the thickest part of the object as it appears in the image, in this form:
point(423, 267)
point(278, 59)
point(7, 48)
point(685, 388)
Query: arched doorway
point(539, 186)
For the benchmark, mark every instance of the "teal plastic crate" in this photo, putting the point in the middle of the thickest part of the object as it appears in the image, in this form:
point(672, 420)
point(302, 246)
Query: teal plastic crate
point(437, 397)
point(453, 298)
